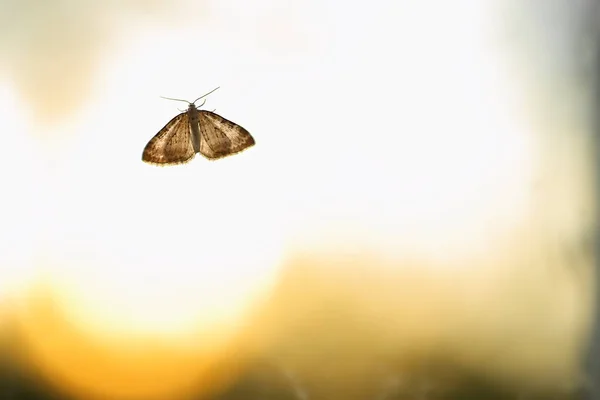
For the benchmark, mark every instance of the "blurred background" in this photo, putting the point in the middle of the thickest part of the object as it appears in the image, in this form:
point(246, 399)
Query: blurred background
point(417, 219)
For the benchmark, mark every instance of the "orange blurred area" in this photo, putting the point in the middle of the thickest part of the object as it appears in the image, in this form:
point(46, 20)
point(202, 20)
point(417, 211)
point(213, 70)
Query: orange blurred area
point(342, 326)
point(359, 318)
point(72, 361)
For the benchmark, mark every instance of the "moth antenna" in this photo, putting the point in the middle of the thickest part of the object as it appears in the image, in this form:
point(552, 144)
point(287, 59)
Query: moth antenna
point(193, 102)
point(205, 95)
point(168, 98)
point(201, 104)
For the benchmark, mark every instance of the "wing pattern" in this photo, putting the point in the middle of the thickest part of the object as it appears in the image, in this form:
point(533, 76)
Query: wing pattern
point(220, 137)
point(172, 144)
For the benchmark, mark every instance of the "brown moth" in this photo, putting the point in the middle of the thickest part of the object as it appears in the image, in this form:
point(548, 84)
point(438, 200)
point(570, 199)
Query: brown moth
point(196, 131)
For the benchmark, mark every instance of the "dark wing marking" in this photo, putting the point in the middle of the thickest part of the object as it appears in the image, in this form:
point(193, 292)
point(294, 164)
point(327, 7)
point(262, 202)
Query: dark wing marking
point(172, 144)
point(221, 138)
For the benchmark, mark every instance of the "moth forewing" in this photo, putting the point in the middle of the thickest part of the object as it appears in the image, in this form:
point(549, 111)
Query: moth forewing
point(221, 137)
point(172, 144)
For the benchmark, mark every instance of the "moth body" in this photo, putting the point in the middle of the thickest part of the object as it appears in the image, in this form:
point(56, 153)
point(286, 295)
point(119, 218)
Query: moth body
point(194, 116)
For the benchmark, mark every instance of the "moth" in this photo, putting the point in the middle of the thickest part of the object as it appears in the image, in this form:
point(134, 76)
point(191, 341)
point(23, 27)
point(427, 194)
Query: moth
point(196, 131)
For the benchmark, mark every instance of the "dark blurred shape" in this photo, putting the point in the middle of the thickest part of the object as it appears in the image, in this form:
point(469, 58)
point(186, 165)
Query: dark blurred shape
point(17, 383)
point(264, 381)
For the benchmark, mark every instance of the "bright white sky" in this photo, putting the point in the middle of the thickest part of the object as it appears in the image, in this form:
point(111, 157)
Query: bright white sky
point(408, 129)
point(387, 127)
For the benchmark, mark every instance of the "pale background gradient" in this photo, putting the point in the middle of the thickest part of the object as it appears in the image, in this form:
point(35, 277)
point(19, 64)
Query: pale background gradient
point(421, 188)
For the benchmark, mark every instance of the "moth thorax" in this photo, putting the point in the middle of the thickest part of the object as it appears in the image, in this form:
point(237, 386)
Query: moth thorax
point(193, 113)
